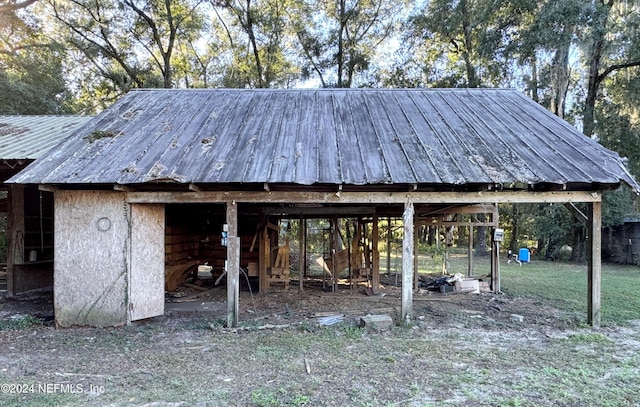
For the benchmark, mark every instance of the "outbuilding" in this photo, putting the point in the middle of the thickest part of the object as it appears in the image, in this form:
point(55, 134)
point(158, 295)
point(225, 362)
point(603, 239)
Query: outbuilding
point(28, 259)
point(128, 184)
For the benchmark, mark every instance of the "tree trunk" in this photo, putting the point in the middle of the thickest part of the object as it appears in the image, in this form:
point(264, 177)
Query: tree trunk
point(560, 80)
point(599, 31)
point(472, 81)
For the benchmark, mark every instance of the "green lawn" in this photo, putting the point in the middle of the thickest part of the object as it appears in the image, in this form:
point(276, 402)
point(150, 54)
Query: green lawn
point(563, 285)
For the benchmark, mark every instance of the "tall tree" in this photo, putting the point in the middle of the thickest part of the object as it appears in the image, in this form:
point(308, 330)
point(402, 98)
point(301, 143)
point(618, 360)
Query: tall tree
point(31, 68)
point(611, 44)
point(129, 43)
point(339, 39)
point(544, 43)
point(257, 32)
point(466, 40)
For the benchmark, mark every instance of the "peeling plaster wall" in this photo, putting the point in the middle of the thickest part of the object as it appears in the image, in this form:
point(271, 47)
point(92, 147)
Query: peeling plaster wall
point(91, 258)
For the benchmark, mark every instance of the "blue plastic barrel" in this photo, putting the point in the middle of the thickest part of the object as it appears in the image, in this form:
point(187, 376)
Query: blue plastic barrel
point(523, 255)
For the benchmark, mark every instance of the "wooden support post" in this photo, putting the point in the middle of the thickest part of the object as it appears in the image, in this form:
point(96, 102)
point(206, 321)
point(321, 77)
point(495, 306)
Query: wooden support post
point(495, 267)
point(334, 248)
point(388, 245)
point(233, 265)
point(302, 264)
point(407, 262)
point(264, 261)
point(375, 275)
point(15, 249)
point(416, 251)
point(594, 270)
point(470, 253)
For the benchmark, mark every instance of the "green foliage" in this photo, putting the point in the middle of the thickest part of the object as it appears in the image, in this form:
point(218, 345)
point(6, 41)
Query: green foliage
point(19, 322)
point(339, 40)
point(616, 205)
point(31, 69)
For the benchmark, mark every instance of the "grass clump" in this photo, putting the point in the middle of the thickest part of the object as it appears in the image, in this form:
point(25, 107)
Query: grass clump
point(19, 322)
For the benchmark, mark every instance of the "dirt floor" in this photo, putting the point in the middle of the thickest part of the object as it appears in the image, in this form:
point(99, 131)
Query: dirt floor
point(305, 348)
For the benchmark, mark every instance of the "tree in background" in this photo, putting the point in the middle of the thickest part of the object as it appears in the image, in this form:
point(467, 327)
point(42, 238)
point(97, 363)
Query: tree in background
point(258, 36)
point(31, 74)
point(339, 39)
point(127, 44)
point(543, 47)
point(611, 44)
point(463, 43)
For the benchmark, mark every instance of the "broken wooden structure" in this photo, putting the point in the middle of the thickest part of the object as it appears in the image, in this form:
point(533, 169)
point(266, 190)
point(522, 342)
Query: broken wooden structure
point(208, 175)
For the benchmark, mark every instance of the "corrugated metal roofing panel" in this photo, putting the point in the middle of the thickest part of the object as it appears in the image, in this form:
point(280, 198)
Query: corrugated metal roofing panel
point(28, 137)
point(328, 136)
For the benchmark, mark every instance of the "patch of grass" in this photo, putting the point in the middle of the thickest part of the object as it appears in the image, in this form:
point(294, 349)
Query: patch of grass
point(19, 322)
point(351, 332)
point(590, 338)
point(564, 286)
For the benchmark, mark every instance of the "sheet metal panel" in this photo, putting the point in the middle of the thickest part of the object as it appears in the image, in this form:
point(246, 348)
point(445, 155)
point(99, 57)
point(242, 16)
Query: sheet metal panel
point(328, 136)
point(29, 137)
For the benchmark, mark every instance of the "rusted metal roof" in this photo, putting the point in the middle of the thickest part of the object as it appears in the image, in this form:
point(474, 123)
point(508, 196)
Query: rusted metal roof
point(28, 137)
point(425, 137)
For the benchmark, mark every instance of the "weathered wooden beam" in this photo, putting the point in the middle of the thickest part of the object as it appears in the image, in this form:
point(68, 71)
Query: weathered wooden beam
point(453, 209)
point(577, 213)
point(48, 188)
point(460, 223)
point(233, 265)
point(407, 263)
point(365, 197)
point(122, 188)
point(594, 268)
point(321, 211)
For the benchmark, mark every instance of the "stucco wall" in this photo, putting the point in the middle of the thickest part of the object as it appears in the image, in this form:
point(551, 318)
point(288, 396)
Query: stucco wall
point(91, 258)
